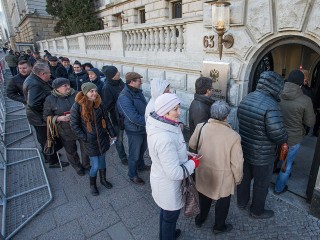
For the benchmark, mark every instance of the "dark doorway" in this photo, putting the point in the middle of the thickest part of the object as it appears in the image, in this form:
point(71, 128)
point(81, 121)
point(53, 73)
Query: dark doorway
point(283, 58)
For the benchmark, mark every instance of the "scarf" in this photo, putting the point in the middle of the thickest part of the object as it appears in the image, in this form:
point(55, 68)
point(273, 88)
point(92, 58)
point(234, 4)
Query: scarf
point(55, 93)
point(164, 120)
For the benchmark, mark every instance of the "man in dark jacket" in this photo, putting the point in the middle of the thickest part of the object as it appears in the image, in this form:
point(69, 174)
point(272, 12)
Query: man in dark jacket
point(34, 58)
point(65, 70)
point(36, 88)
point(199, 110)
point(12, 62)
point(110, 93)
point(53, 65)
point(261, 129)
point(297, 110)
point(94, 77)
point(15, 85)
point(78, 77)
point(132, 105)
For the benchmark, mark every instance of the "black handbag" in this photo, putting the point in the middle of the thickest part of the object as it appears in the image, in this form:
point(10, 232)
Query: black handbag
point(190, 194)
point(54, 142)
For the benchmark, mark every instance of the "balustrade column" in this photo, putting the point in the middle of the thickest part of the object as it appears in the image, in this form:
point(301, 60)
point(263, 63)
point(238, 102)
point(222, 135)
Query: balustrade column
point(143, 40)
point(156, 39)
point(151, 39)
point(180, 38)
point(127, 41)
point(147, 39)
point(138, 39)
point(135, 43)
point(168, 39)
point(131, 41)
point(161, 39)
point(173, 39)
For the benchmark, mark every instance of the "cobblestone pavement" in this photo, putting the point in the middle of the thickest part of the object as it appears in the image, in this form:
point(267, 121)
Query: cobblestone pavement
point(128, 212)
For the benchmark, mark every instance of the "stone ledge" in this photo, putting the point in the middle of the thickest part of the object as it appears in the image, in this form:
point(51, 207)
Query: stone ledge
point(315, 204)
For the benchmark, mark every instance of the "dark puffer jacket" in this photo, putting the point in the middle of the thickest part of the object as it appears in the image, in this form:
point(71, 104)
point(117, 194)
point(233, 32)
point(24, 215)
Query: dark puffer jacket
point(15, 88)
point(35, 91)
point(109, 95)
point(199, 110)
point(97, 81)
point(56, 106)
point(260, 121)
point(62, 72)
point(97, 141)
point(77, 79)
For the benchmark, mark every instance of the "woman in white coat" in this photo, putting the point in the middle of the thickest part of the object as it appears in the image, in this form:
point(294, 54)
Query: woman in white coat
point(167, 149)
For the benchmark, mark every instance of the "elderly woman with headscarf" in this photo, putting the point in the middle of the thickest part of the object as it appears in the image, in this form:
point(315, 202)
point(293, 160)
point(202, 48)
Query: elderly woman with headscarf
point(158, 87)
point(92, 125)
point(168, 151)
point(221, 166)
point(58, 105)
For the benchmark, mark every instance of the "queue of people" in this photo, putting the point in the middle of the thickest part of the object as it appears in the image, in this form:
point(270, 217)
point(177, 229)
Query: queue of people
point(95, 113)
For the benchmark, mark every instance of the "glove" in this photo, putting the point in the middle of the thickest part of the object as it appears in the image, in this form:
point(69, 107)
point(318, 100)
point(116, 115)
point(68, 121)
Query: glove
point(196, 161)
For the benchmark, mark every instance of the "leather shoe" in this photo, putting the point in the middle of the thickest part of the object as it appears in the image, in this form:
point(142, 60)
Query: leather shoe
point(177, 233)
point(81, 171)
point(144, 168)
point(198, 221)
point(57, 165)
point(124, 162)
point(137, 180)
point(227, 228)
point(266, 214)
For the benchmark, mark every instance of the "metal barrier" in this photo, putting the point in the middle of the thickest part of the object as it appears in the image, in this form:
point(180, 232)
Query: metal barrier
point(26, 189)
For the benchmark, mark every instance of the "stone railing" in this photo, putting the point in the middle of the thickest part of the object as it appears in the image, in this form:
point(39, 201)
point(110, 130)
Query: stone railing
point(99, 41)
point(73, 43)
point(51, 45)
point(161, 38)
point(59, 44)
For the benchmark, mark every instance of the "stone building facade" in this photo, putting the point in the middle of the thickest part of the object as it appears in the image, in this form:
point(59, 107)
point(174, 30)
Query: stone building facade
point(28, 21)
point(174, 40)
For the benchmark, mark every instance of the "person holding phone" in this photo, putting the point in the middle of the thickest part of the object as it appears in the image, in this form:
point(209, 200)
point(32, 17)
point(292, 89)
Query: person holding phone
point(221, 165)
point(58, 105)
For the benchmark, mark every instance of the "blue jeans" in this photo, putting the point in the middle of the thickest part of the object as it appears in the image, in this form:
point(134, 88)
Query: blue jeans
point(119, 143)
point(283, 177)
point(168, 222)
point(97, 162)
point(137, 147)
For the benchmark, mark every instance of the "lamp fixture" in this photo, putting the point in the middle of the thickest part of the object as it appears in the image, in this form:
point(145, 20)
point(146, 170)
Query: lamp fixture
point(221, 23)
point(123, 17)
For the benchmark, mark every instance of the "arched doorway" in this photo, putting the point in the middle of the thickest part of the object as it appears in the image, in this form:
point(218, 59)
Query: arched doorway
point(283, 56)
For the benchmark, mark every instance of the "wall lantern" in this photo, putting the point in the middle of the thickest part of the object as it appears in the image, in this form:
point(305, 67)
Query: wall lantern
point(221, 23)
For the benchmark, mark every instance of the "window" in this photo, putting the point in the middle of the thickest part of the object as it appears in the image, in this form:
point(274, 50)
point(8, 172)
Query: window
point(177, 9)
point(142, 15)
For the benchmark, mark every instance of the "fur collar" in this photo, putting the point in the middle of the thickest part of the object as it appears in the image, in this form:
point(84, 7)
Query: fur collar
point(87, 107)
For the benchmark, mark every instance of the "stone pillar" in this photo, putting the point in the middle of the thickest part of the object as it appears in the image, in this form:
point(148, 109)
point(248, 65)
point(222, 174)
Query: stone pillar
point(65, 45)
point(82, 44)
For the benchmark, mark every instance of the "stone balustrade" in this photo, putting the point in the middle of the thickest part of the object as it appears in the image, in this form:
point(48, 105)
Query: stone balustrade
point(59, 44)
point(100, 41)
point(73, 43)
point(160, 38)
point(51, 45)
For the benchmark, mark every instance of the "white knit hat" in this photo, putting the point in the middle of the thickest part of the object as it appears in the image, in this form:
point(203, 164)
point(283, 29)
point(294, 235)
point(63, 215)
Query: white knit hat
point(165, 103)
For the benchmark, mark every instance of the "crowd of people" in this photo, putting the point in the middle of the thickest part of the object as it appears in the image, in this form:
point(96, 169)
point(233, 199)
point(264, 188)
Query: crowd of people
point(95, 108)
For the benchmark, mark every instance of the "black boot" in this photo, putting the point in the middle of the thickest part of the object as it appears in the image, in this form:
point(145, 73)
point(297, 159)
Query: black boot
point(103, 180)
point(93, 186)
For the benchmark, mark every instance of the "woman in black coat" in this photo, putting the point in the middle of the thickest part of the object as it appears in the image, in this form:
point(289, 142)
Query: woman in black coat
point(58, 105)
point(90, 124)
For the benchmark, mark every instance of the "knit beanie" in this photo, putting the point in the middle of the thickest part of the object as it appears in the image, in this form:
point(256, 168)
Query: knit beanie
point(86, 87)
point(296, 77)
point(58, 82)
point(110, 71)
point(165, 103)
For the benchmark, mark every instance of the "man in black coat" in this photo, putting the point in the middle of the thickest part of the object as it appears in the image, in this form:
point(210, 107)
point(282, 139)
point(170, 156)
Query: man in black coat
point(35, 89)
point(53, 65)
point(15, 85)
point(262, 130)
point(199, 110)
point(65, 70)
point(110, 93)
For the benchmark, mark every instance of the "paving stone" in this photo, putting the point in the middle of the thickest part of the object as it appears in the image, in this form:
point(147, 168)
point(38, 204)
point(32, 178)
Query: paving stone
point(137, 213)
point(119, 231)
point(103, 235)
point(59, 198)
point(98, 220)
point(68, 231)
point(39, 225)
point(71, 210)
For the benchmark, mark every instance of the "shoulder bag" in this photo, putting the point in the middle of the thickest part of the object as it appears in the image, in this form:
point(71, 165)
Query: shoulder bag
point(53, 143)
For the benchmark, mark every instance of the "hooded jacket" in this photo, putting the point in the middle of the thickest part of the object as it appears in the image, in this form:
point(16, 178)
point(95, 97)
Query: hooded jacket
point(94, 133)
point(297, 110)
point(158, 86)
point(77, 79)
point(260, 121)
point(97, 81)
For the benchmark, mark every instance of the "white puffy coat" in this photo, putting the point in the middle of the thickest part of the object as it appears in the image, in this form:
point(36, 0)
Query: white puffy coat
point(167, 149)
point(158, 86)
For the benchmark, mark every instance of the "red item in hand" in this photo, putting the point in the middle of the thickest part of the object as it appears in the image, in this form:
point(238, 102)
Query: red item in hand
point(196, 161)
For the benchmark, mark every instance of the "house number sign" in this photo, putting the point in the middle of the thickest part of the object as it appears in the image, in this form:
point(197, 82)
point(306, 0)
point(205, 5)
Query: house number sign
point(208, 41)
